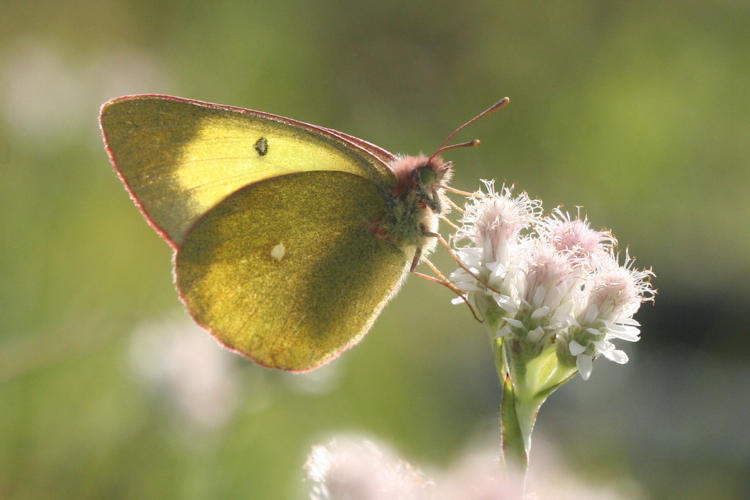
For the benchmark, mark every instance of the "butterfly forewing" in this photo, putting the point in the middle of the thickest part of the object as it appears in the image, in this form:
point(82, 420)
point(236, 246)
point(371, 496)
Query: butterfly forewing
point(179, 158)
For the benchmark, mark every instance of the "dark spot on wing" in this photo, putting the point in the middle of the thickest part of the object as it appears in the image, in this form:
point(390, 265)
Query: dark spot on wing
point(261, 146)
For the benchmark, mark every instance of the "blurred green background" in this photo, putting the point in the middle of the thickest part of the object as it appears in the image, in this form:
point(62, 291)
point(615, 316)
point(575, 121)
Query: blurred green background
point(638, 111)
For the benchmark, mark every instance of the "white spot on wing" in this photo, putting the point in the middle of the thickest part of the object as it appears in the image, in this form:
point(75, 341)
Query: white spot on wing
point(277, 252)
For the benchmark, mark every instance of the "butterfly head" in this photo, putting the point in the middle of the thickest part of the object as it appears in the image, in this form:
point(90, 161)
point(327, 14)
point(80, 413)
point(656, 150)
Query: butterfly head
point(416, 198)
point(424, 176)
point(421, 178)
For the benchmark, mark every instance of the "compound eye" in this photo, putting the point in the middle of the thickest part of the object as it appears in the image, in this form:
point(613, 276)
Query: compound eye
point(427, 176)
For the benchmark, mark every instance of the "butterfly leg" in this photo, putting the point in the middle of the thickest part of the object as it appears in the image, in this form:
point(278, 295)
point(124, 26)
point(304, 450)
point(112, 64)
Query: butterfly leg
point(458, 191)
point(455, 206)
point(450, 286)
point(449, 222)
point(458, 259)
point(415, 261)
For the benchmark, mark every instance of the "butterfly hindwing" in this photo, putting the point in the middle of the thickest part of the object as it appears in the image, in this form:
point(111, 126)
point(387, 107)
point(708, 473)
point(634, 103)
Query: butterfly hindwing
point(288, 271)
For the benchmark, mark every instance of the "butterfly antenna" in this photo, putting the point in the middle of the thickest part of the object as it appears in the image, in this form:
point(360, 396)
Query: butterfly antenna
point(498, 105)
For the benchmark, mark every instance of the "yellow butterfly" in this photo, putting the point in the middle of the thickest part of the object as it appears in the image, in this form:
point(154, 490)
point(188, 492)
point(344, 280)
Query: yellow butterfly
point(289, 238)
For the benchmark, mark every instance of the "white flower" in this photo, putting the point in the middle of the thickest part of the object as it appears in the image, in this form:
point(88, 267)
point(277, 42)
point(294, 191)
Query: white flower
point(586, 246)
point(547, 279)
point(493, 221)
point(497, 227)
point(618, 291)
point(550, 285)
point(613, 294)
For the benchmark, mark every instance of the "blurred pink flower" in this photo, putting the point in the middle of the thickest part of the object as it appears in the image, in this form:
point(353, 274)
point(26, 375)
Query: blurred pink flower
point(186, 369)
point(355, 468)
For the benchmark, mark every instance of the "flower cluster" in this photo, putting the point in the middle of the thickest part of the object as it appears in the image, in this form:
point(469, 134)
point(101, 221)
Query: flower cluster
point(547, 280)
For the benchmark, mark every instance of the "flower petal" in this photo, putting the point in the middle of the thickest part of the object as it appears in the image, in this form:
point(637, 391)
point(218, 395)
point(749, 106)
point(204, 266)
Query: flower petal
point(505, 330)
point(629, 333)
point(591, 312)
point(575, 348)
point(630, 321)
point(617, 356)
point(585, 365)
point(539, 313)
point(514, 322)
point(505, 303)
point(535, 335)
point(554, 296)
point(538, 297)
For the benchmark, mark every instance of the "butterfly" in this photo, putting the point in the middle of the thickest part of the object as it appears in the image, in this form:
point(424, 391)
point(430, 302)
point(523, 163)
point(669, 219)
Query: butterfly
point(289, 238)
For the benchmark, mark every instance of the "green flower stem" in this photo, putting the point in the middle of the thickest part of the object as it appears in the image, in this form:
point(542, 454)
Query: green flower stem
point(528, 376)
point(512, 444)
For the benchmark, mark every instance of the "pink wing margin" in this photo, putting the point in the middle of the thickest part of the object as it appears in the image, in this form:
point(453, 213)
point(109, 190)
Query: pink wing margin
point(365, 147)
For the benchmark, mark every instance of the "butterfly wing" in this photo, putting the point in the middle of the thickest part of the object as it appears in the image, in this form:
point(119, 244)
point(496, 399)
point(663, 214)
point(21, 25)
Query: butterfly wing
point(287, 270)
point(380, 153)
point(271, 218)
point(178, 157)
